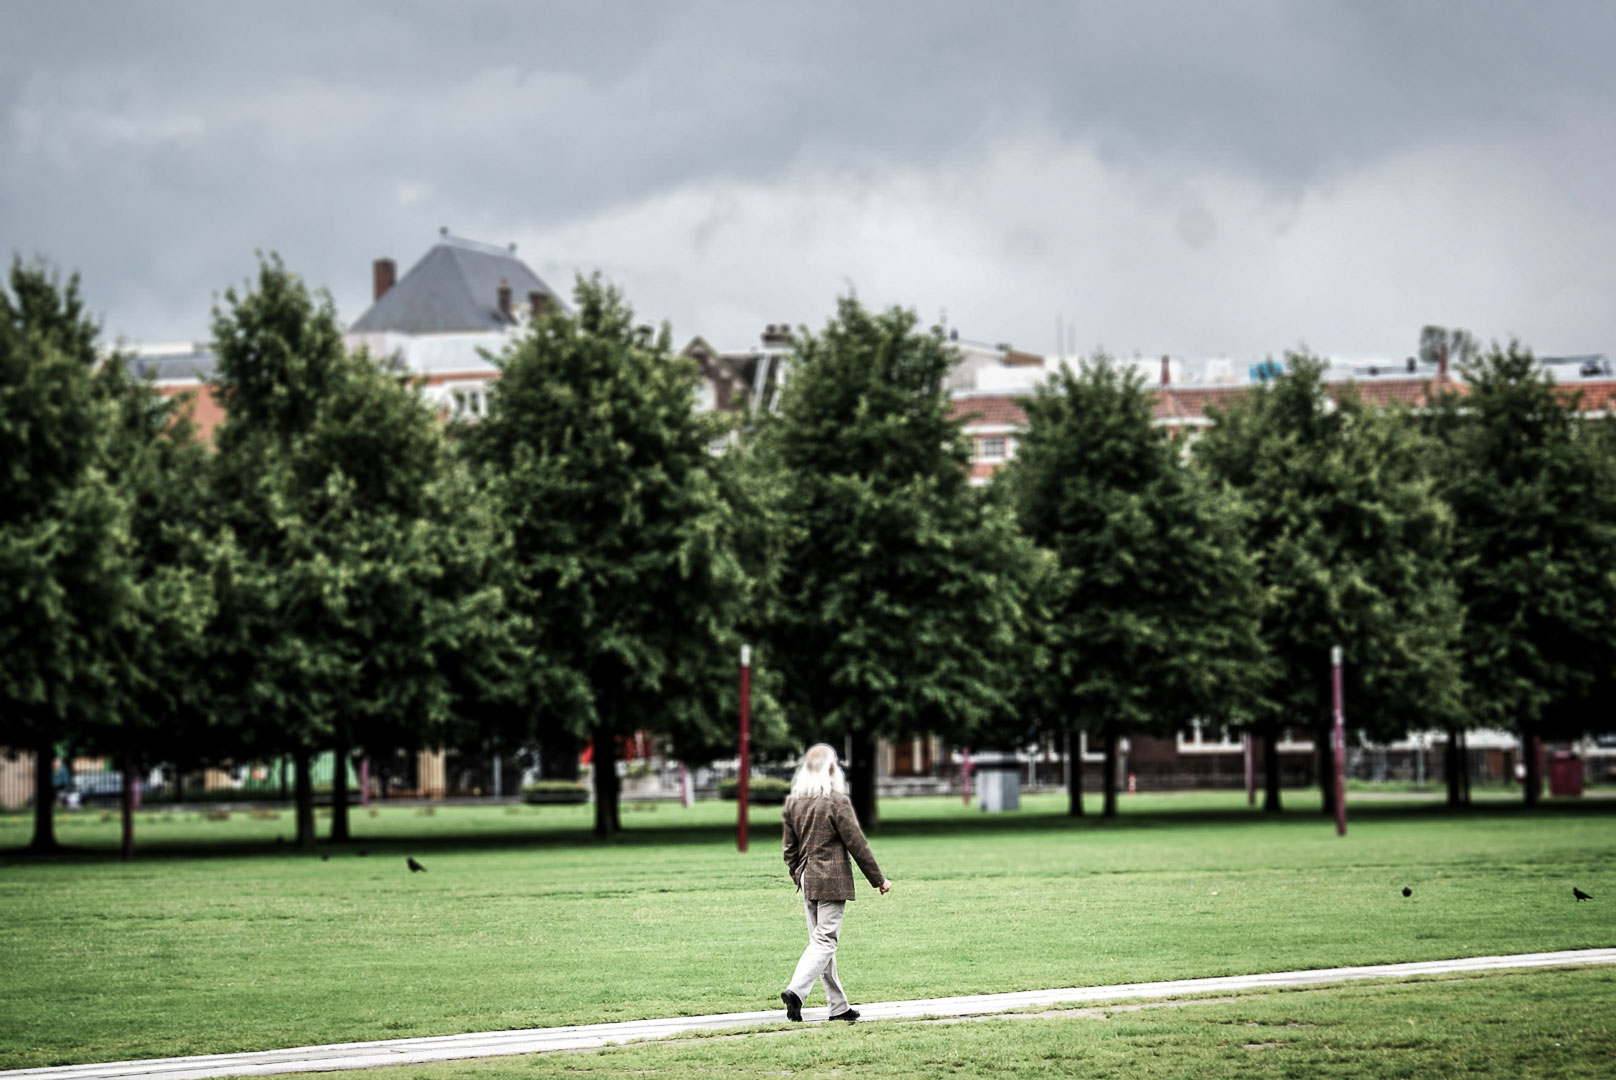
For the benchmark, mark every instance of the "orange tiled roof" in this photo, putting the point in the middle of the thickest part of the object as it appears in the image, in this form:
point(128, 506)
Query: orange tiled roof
point(1179, 404)
point(1191, 402)
point(1418, 392)
point(989, 410)
point(1596, 396)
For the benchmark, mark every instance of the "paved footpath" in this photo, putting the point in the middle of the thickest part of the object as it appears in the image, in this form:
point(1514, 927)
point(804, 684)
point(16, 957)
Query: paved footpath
point(592, 1036)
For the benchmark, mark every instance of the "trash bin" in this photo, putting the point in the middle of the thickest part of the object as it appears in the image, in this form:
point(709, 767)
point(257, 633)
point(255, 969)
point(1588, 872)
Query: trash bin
point(998, 780)
point(1565, 773)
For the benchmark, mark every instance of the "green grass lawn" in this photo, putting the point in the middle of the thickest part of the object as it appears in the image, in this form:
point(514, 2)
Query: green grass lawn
point(217, 938)
point(1507, 1025)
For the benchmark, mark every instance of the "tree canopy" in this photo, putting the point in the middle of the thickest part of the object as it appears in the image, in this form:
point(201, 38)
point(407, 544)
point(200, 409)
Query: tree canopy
point(1354, 548)
point(1156, 609)
point(71, 591)
point(626, 586)
point(1533, 490)
point(349, 594)
point(896, 605)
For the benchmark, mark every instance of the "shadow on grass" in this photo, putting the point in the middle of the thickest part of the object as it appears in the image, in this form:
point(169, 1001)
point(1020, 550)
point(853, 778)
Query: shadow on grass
point(378, 841)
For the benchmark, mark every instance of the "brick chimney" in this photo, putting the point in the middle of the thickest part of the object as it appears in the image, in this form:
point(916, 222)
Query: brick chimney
point(383, 274)
point(1167, 371)
point(538, 304)
point(1442, 362)
point(504, 295)
point(776, 335)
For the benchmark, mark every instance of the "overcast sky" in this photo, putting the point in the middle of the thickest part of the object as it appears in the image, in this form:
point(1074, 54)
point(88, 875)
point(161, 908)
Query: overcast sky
point(1200, 178)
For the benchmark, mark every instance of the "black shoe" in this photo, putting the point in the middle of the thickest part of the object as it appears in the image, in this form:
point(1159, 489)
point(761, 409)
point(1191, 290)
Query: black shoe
point(793, 1005)
point(850, 1015)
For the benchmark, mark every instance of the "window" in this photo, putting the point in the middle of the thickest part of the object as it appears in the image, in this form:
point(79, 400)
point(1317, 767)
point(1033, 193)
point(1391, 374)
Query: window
point(705, 398)
point(991, 449)
point(470, 402)
point(1204, 737)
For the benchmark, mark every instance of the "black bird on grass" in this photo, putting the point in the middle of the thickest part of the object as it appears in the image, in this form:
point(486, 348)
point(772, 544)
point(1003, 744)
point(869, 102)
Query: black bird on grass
point(415, 867)
point(1407, 891)
point(1579, 894)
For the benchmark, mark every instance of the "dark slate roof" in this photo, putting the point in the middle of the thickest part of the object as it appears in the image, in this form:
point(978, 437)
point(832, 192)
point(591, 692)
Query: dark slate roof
point(194, 364)
point(454, 289)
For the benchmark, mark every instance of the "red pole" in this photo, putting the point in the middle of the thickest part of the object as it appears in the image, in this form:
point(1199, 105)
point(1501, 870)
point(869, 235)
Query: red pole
point(1251, 773)
point(128, 804)
point(746, 748)
point(1338, 741)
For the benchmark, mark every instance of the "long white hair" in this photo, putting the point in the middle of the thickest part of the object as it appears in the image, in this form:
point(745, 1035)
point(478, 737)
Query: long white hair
point(818, 774)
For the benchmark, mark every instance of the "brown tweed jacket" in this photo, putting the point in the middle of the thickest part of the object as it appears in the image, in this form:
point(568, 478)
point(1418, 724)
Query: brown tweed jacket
point(817, 836)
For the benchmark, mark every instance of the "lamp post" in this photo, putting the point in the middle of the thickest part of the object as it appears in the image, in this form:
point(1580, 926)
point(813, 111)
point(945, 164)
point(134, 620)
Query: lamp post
point(1338, 742)
point(1251, 771)
point(746, 748)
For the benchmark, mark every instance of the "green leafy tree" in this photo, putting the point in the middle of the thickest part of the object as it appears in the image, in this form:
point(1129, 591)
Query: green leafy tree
point(1451, 348)
point(358, 593)
point(481, 673)
point(1354, 549)
point(1157, 607)
point(625, 578)
point(1035, 708)
point(1533, 491)
point(896, 607)
point(70, 592)
point(160, 468)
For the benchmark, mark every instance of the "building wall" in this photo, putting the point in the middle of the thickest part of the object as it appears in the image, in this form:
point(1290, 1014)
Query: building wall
point(206, 412)
point(16, 781)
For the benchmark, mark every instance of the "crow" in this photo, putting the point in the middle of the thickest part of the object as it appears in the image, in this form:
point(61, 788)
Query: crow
point(325, 857)
point(415, 867)
point(1407, 891)
point(1579, 894)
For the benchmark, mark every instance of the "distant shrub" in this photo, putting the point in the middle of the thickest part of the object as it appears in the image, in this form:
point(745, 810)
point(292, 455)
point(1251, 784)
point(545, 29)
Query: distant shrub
point(761, 790)
point(555, 791)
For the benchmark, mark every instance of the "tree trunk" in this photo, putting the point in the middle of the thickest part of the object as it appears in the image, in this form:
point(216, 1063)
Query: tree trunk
point(128, 800)
point(303, 785)
point(1074, 769)
point(1451, 766)
point(860, 772)
point(1270, 752)
point(1110, 782)
point(44, 841)
point(1464, 764)
point(607, 822)
point(1325, 742)
point(339, 788)
point(558, 757)
point(1533, 748)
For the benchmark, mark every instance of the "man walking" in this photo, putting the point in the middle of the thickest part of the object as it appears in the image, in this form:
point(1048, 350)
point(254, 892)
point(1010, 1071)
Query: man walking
point(820, 832)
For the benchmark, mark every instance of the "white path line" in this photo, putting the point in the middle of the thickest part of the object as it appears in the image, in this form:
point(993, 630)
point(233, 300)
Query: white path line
point(592, 1036)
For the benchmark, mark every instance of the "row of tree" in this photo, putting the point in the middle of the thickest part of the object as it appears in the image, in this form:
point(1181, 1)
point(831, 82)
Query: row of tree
point(341, 569)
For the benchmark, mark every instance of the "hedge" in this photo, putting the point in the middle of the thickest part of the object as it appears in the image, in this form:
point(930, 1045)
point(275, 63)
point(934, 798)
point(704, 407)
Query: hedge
point(555, 791)
point(762, 790)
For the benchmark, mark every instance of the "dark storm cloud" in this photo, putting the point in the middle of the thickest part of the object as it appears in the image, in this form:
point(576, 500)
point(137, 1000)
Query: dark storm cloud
point(156, 145)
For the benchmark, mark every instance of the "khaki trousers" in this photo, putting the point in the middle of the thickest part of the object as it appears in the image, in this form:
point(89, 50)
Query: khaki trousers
point(819, 958)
